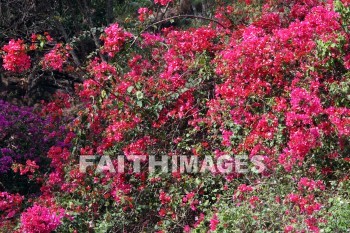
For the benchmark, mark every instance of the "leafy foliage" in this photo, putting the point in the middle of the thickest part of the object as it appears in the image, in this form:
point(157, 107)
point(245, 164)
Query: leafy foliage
point(261, 78)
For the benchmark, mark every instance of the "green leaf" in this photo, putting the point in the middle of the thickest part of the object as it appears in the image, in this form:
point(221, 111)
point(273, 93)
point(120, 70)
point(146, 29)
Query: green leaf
point(139, 95)
point(103, 94)
point(129, 90)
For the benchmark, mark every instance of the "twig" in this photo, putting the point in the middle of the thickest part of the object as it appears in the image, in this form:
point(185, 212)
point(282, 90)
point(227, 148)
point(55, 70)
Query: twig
point(184, 16)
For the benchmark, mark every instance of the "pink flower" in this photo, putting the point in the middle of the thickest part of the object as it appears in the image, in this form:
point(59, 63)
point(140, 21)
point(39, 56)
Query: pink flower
point(10, 204)
point(151, 39)
point(102, 71)
point(305, 102)
point(164, 197)
point(30, 167)
point(15, 58)
point(340, 118)
point(214, 221)
point(162, 2)
point(253, 200)
point(187, 229)
point(55, 58)
point(143, 13)
point(293, 197)
point(226, 141)
point(243, 188)
point(162, 212)
point(309, 184)
point(41, 219)
point(114, 39)
point(142, 10)
point(288, 229)
point(138, 148)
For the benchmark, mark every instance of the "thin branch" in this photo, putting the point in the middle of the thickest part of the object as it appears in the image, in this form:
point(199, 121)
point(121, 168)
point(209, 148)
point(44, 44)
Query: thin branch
point(185, 16)
point(163, 12)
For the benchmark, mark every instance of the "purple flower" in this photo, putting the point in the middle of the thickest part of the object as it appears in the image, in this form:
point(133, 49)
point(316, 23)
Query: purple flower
point(5, 164)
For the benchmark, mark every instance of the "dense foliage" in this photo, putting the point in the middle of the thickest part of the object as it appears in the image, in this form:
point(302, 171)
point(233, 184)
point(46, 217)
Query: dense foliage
point(267, 78)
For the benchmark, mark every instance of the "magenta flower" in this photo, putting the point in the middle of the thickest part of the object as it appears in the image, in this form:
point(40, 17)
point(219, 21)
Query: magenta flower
point(41, 219)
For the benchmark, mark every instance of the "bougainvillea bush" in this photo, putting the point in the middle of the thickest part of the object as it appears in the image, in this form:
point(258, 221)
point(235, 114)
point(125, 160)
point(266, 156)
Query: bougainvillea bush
point(26, 137)
point(268, 78)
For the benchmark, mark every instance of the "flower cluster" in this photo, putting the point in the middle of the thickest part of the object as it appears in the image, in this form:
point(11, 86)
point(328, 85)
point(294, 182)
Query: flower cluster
point(144, 12)
point(56, 58)
point(15, 58)
point(162, 2)
point(41, 219)
point(10, 205)
point(114, 39)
